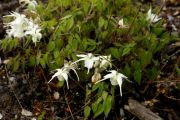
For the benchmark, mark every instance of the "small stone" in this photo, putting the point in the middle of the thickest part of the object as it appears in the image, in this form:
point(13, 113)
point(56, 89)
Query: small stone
point(1, 116)
point(56, 95)
point(26, 112)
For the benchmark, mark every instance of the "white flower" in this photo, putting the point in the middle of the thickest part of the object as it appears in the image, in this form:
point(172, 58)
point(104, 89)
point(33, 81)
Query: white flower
point(152, 17)
point(71, 66)
point(31, 4)
point(34, 31)
point(115, 78)
point(17, 26)
point(62, 74)
point(22, 26)
point(88, 59)
point(121, 24)
point(105, 62)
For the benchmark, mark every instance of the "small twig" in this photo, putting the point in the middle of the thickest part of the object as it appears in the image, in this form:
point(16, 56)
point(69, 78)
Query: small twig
point(7, 75)
point(68, 104)
point(79, 110)
point(17, 98)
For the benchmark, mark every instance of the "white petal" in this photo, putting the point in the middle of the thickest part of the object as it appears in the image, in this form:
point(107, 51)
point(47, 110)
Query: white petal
point(88, 64)
point(66, 78)
point(113, 82)
point(58, 73)
point(100, 80)
point(75, 73)
point(109, 76)
point(120, 23)
point(81, 55)
point(119, 80)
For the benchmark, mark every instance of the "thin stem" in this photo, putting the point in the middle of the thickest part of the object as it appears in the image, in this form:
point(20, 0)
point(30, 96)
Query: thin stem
point(68, 105)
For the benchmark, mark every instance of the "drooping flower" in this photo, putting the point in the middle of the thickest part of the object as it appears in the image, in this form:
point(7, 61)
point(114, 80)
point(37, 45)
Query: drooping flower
point(121, 24)
point(62, 74)
point(115, 77)
point(71, 66)
point(17, 27)
point(152, 17)
point(34, 31)
point(88, 59)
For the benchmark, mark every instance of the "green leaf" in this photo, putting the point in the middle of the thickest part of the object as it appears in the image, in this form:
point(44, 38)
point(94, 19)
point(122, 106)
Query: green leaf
point(56, 54)
point(101, 22)
point(145, 57)
point(96, 104)
point(16, 64)
point(51, 46)
point(94, 107)
point(95, 87)
point(87, 111)
point(128, 48)
point(157, 30)
point(137, 76)
point(99, 110)
point(42, 63)
point(69, 23)
point(42, 115)
point(115, 53)
point(108, 105)
point(127, 70)
point(153, 73)
point(104, 95)
point(66, 17)
point(32, 61)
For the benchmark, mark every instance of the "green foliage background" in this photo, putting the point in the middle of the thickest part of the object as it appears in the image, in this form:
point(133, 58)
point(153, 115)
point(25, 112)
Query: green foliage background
point(71, 27)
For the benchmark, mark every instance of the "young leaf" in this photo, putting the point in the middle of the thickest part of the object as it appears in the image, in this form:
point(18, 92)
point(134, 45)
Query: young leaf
point(87, 111)
point(99, 111)
point(108, 105)
point(137, 76)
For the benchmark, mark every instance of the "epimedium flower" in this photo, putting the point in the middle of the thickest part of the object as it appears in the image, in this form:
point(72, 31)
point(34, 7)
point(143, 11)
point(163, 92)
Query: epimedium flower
point(89, 60)
point(152, 17)
point(31, 4)
point(62, 74)
point(115, 77)
point(34, 31)
point(22, 26)
point(121, 24)
point(71, 66)
point(17, 27)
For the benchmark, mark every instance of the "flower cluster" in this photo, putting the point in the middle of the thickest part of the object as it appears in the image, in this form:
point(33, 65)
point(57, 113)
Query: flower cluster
point(90, 61)
point(21, 26)
point(152, 17)
point(62, 74)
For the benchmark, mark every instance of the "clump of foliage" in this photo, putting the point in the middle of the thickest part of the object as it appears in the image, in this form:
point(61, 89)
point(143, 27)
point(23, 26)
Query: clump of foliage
point(71, 27)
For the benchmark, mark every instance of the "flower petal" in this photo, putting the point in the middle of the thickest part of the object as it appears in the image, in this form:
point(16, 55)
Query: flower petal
point(119, 80)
